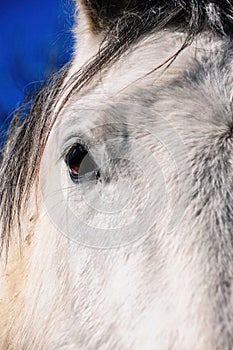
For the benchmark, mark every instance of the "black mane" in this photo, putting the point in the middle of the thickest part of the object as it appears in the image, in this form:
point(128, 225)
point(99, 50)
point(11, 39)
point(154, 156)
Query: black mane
point(193, 15)
point(123, 25)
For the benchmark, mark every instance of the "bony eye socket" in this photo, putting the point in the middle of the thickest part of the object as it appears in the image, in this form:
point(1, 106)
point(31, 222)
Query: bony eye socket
point(81, 164)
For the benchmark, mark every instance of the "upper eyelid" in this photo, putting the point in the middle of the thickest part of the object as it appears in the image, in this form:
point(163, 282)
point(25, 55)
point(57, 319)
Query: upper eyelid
point(68, 145)
point(74, 138)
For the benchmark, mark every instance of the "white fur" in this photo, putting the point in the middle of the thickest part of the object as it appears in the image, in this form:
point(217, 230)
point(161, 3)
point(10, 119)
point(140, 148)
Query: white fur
point(151, 292)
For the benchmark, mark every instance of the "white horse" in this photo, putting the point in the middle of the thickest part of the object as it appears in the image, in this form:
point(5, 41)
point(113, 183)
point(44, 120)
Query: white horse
point(116, 189)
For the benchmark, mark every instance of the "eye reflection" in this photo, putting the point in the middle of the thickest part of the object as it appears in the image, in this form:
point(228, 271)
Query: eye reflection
point(81, 164)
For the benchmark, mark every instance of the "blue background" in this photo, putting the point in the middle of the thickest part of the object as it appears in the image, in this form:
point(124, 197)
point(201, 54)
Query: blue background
point(35, 41)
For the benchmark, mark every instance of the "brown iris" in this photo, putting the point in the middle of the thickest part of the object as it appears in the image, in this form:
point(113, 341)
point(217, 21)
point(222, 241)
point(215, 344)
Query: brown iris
point(81, 164)
point(74, 158)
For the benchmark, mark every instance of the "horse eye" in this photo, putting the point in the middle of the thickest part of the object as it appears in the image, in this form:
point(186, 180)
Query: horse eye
point(81, 164)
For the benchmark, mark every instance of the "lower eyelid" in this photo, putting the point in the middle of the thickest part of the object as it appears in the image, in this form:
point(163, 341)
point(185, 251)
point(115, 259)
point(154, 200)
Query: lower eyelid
point(91, 176)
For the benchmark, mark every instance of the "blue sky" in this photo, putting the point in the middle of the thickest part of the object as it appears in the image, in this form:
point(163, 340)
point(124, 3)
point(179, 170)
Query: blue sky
point(35, 39)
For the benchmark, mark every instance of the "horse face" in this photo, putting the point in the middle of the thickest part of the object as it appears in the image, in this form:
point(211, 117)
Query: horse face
point(138, 193)
point(132, 247)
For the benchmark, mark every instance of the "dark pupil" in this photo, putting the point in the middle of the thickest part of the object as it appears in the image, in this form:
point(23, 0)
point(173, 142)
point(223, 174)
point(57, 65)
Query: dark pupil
point(74, 159)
